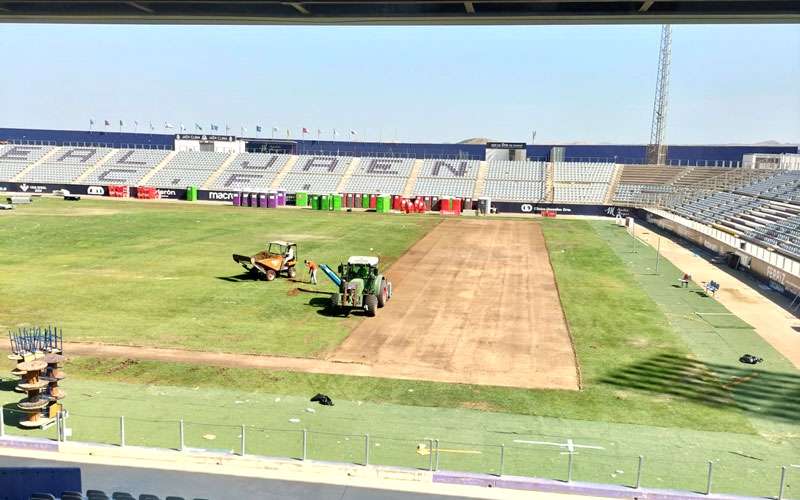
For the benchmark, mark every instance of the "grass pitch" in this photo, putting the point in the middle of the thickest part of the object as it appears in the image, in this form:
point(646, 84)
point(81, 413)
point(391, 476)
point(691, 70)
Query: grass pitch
point(161, 274)
point(658, 380)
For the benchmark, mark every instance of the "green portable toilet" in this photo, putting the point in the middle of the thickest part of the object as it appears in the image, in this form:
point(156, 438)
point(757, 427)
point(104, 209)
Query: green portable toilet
point(365, 201)
point(191, 193)
point(325, 202)
point(301, 199)
point(383, 204)
point(315, 201)
point(336, 202)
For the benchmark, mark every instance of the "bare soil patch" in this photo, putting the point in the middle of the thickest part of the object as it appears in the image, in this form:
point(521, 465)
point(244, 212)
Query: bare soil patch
point(475, 302)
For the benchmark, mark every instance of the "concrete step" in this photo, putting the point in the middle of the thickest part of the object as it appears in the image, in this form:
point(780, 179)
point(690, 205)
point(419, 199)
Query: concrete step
point(285, 170)
point(218, 172)
point(412, 178)
point(480, 181)
point(347, 174)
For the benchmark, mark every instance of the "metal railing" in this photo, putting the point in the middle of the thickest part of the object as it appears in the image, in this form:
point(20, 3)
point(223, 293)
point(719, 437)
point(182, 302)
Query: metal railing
point(567, 461)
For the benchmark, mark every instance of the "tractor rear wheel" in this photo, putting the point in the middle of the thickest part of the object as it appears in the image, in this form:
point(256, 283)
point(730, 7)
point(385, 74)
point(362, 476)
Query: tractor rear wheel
point(291, 272)
point(371, 301)
point(270, 274)
point(383, 294)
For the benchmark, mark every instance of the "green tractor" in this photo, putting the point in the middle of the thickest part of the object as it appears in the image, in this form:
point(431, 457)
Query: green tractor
point(361, 286)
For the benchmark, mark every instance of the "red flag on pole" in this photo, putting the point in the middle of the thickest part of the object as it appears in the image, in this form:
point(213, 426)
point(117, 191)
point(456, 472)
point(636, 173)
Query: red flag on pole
point(305, 130)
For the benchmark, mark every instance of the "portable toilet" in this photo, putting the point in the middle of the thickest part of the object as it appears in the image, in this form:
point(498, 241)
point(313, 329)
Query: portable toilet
point(484, 205)
point(191, 193)
point(336, 202)
point(272, 199)
point(237, 199)
point(301, 199)
point(455, 205)
point(315, 201)
point(365, 201)
point(444, 204)
point(262, 200)
point(357, 200)
point(325, 202)
point(373, 200)
point(280, 198)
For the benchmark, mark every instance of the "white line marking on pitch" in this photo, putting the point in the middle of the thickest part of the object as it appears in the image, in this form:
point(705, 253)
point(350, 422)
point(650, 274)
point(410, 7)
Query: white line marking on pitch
point(569, 445)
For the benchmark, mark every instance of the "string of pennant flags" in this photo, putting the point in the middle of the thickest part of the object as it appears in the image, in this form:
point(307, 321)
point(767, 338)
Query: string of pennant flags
point(214, 127)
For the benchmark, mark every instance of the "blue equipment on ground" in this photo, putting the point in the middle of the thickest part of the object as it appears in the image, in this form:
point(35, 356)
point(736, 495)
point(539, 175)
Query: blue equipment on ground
point(331, 275)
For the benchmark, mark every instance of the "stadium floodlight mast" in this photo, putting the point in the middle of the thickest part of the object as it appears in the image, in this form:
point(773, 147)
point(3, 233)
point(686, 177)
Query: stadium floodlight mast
point(657, 150)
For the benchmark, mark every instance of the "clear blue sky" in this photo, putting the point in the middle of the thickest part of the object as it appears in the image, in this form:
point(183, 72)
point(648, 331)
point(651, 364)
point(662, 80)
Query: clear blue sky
point(577, 83)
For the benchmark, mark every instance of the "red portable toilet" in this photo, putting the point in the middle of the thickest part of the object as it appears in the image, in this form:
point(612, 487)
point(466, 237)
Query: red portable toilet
point(444, 205)
point(455, 205)
point(420, 205)
point(348, 200)
point(356, 200)
point(397, 202)
point(373, 201)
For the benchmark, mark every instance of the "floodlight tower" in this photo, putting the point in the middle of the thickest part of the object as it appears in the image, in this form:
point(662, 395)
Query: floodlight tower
point(657, 150)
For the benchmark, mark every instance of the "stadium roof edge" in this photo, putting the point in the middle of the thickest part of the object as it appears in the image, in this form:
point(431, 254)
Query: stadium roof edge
point(402, 12)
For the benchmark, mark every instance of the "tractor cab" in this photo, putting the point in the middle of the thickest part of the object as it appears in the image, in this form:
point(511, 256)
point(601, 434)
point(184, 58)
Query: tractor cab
point(357, 267)
point(286, 250)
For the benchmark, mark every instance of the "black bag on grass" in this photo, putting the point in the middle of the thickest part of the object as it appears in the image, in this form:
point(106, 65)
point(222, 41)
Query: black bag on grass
point(322, 399)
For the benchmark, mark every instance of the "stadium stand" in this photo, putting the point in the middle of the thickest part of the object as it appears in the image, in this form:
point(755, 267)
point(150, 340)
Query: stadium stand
point(696, 175)
point(579, 193)
point(250, 171)
point(316, 174)
point(188, 168)
point(638, 183)
point(459, 169)
point(583, 172)
point(515, 181)
point(514, 190)
point(782, 186)
point(769, 223)
point(66, 165)
point(428, 186)
point(581, 182)
point(516, 170)
point(380, 175)
point(378, 185)
point(14, 158)
point(126, 166)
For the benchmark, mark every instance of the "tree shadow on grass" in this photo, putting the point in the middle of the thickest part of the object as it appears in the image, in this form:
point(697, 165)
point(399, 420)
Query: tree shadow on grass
point(764, 393)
